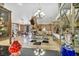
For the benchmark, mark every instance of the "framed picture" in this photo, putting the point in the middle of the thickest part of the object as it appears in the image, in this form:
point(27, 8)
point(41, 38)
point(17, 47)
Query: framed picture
point(5, 24)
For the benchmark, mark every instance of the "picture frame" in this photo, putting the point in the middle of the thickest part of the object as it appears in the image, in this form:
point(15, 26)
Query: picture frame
point(5, 24)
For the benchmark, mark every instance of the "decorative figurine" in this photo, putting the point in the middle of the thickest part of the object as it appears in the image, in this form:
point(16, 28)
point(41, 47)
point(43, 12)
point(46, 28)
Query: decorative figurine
point(67, 48)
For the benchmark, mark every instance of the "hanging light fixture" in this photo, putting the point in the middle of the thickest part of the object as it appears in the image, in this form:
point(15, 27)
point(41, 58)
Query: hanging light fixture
point(39, 13)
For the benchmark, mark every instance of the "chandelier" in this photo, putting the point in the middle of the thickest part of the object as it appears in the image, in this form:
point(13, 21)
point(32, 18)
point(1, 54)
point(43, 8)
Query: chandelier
point(39, 13)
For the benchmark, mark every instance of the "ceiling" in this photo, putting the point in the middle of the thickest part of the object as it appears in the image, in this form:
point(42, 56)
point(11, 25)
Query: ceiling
point(26, 11)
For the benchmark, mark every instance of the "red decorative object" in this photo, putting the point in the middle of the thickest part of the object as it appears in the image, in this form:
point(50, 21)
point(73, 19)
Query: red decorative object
point(15, 47)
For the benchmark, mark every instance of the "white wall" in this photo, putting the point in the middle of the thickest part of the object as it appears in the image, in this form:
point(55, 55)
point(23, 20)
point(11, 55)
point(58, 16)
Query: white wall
point(28, 9)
